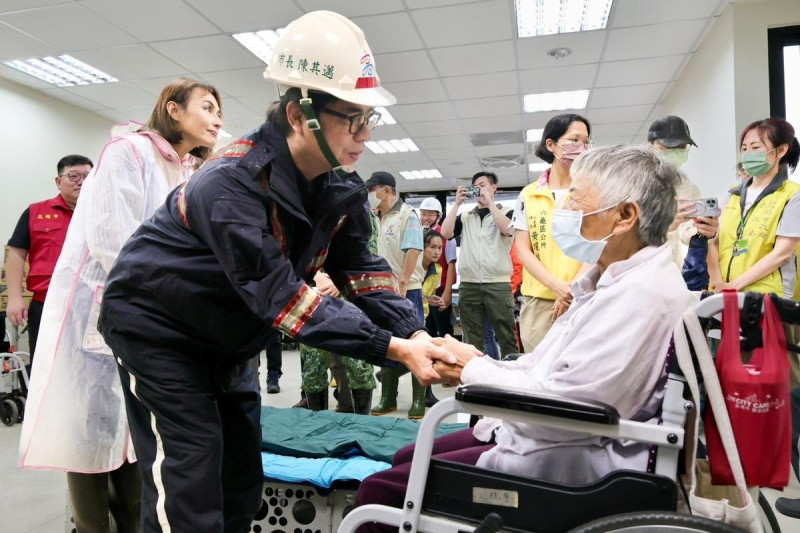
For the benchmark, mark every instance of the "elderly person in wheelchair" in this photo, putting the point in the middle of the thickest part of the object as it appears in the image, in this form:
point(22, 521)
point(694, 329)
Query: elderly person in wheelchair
point(611, 346)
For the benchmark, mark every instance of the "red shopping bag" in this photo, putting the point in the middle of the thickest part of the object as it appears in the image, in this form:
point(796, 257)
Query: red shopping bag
point(757, 398)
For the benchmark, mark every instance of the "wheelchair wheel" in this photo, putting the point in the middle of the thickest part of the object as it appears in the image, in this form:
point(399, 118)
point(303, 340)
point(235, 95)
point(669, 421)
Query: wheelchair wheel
point(20, 401)
point(655, 522)
point(767, 515)
point(9, 412)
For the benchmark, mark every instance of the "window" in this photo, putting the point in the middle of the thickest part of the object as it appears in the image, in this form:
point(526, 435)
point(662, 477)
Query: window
point(784, 76)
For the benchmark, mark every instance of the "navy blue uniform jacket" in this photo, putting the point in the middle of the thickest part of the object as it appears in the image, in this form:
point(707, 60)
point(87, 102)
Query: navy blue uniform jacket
point(227, 260)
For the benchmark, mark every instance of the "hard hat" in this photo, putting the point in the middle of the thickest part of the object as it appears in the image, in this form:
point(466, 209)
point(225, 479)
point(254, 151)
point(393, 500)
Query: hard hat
point(431, 204)
point(325, 51)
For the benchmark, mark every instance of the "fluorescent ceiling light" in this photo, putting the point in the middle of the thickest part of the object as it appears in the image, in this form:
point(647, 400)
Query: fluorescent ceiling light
point(61, 71)
point(392, 146)
point(420, 174)
point(386, 117)
point(556, 101)
point(538, 167)
point(534, 135)
point(260, 43)
point(548, 17)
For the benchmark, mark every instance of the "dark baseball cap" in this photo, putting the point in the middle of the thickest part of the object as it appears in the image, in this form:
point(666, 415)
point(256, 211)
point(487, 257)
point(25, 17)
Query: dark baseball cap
point(670, 131)
point(381, 178)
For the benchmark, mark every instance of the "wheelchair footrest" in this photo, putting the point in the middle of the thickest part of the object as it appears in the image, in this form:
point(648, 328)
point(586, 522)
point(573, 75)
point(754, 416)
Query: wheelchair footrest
point(469, 493)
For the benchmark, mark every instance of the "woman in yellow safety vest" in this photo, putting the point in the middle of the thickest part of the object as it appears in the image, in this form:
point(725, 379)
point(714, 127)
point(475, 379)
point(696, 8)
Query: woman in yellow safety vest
point(755, 249)
point(548, 273)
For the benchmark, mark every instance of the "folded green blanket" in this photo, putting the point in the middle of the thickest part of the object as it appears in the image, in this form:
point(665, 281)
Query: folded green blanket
point(304, 433)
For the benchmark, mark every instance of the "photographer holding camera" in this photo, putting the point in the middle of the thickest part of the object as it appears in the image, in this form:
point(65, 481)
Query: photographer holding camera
point(484, 264)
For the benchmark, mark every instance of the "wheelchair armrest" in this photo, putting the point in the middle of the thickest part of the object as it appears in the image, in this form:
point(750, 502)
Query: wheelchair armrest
point(539, 403)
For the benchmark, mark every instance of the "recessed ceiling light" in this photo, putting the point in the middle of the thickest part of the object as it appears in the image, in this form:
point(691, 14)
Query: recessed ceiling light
point(61, 71)
point(420, 174)
point(392, 146)
point(548, 17)
point(538, 167)
point(534, 135)
point(556, 101)
point(260, 43)
point(386, 117)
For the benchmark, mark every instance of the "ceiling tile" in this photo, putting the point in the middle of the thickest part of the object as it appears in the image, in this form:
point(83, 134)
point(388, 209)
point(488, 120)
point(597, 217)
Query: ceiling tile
point(637, 13)
point(465, 24)
point(613, 141)
point(74, 99)
point(447, 141)
point(484, 85)
point(16, 76)
point(154, 86)
point(630, 95)
point(474, 59)
point(638, 71)
point(432, 129)
point(619, 129)
point(233, 110)
point(175, 19)
point(423, 112)
point(389, 33)
point(130, 62)
point(248, 15)
point(404, 66)
point(586, 48)
point(488, 107)
point(500, 149)
point(568, 78)
point(389, 131)
point(242, 82)
point(13, 5)
point(353, 8)
point(618, 114)
point(451, 153)
point(68, 27)
point(114, 95)
point(538, 120)
point(488, 124)
point(665, 39)
point(16, 45)
point(420, 4)
point(417, 92)
point(258, 102)
point(126, 114)
point(208, 54)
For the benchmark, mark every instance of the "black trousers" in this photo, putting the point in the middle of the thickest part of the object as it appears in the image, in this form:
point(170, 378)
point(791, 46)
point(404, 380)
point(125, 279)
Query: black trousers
point(195, 425)
point(796, 431)
point(274, 351)
point(439, 323)
point(34, 320)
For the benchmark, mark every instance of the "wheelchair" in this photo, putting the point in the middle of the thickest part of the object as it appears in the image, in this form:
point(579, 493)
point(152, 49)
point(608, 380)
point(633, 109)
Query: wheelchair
point(447, 497)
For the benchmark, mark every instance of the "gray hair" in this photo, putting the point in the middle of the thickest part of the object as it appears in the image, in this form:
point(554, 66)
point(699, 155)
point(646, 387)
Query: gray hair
point(634, 174)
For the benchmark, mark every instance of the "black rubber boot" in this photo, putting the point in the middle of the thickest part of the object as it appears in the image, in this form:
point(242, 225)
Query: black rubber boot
point(362, 401)
point(317, 401)
point(430, 399)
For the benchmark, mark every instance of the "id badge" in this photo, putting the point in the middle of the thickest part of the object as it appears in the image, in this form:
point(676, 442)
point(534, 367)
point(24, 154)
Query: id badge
point(740, 247)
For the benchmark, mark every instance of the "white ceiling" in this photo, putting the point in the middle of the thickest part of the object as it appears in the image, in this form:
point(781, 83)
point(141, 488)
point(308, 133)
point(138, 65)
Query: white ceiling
point(456, 66)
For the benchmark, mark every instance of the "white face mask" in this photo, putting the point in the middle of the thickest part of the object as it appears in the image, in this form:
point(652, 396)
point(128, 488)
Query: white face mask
point(566, 231)
point(374, 201)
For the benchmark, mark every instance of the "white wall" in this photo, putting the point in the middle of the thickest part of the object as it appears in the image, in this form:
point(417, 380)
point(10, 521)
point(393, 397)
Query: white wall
point(36, 132)
point(726, 86)
point(704, 98)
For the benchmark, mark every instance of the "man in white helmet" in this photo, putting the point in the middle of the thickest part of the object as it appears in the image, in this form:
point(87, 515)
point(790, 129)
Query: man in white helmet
point(226, 263)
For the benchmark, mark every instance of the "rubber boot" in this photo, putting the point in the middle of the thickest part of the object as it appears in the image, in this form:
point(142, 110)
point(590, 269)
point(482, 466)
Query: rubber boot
point(430, 399)
point(362, 400)
point(388, 403)
point(317, 401)
point(417, 410)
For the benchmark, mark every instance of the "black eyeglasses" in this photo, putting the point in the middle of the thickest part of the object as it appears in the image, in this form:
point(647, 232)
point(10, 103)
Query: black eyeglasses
point(74, 177)
point(357, 121)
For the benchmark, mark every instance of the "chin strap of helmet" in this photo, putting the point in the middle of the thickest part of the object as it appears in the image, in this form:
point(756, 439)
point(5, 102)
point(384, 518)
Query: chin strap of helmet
point(313, 124)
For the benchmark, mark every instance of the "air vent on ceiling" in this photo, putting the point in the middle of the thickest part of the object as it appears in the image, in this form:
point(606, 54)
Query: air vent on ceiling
point(495, 138)
point(502, 161)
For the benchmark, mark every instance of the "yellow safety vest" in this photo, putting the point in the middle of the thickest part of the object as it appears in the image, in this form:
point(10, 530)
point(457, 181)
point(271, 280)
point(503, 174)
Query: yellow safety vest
point(539, 205)
point(759, 229)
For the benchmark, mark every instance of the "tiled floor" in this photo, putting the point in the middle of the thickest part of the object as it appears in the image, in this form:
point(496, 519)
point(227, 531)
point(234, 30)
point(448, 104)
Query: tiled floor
point(35, 501)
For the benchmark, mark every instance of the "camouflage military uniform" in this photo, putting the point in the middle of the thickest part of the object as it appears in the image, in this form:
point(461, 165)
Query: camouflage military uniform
point(316, 362)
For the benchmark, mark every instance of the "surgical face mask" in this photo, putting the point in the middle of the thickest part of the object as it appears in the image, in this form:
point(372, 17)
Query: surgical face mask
point(676, 156)
point(566, 231)
point(374, 201)
point(756, 164)
point(570, 152)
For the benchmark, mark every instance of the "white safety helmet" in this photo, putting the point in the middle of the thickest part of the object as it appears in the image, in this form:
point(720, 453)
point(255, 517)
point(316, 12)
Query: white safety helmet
point(431, 204)
point(326, 52)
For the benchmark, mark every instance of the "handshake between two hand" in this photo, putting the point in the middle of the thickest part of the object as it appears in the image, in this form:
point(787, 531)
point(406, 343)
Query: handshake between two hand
point(436, 360)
